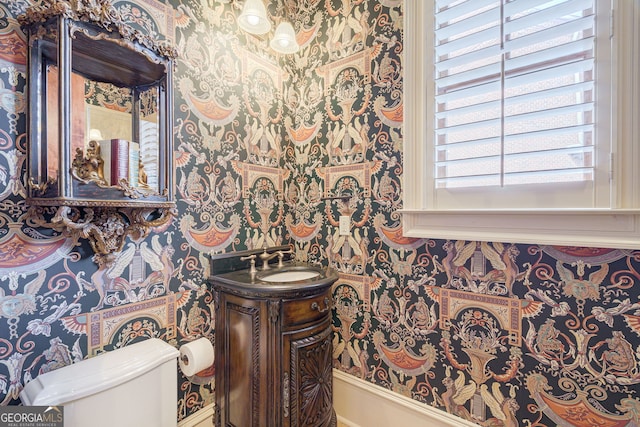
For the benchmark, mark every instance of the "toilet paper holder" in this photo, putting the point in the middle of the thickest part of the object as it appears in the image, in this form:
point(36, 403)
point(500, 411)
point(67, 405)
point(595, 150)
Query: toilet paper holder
point(196, 359)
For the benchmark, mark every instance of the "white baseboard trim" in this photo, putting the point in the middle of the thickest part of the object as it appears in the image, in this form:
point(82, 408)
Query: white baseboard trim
point(359, 403)
point(202, 418)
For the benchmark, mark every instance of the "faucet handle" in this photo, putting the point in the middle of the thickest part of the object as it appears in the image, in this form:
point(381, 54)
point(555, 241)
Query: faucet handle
point(252, 259)
point(281, 256)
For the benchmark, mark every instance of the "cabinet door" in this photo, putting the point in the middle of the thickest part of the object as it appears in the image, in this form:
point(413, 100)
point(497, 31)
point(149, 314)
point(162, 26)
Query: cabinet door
point(241, 362)
point(308, 381)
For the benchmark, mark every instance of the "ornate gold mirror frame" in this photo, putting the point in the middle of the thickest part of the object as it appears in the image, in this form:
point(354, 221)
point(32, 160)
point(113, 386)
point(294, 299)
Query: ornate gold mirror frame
point(88, 41)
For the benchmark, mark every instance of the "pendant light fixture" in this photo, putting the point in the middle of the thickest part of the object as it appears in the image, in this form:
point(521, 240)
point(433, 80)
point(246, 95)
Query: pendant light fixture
point(254, 20)
point(284, 39)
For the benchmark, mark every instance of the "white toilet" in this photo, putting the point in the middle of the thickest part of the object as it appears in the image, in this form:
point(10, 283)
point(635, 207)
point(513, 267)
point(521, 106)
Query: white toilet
point(134, 386)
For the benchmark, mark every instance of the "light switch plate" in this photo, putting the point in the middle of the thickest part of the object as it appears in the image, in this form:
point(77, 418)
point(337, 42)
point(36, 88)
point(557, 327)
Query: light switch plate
point(345, 225)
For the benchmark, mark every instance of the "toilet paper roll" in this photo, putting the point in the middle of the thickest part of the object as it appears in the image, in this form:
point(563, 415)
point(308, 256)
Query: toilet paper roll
point(196, 356)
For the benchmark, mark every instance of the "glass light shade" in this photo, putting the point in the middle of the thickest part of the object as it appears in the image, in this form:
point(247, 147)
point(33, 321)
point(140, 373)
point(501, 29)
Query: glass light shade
point(95, 135)
point(284, 39)
point(253, 18)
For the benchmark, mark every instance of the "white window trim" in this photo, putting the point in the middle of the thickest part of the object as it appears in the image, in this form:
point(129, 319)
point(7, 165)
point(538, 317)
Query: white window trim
point(617, 227)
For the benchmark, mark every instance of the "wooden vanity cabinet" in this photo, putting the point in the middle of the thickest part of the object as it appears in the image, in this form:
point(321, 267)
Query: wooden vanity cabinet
point(273, 356)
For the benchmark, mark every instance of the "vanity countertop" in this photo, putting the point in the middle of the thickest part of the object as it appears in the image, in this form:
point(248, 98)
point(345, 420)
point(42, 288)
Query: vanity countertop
point(245, 281)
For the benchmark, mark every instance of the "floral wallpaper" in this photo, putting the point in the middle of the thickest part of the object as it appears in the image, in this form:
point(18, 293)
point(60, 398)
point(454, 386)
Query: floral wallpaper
point(274, 150)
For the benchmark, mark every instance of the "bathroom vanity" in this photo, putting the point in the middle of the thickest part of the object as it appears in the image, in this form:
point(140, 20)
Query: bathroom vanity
point(273, 347)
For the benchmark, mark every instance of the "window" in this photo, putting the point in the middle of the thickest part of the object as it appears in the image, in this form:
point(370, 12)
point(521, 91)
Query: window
point(524, 114)
point(514, 103)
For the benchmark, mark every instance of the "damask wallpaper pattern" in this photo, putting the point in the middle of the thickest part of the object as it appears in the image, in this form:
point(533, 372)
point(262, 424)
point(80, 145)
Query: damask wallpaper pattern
point(273, 150)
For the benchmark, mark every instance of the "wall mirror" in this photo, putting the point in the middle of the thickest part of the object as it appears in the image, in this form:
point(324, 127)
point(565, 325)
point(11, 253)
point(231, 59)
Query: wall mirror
point(92, 121)
point(100, 140)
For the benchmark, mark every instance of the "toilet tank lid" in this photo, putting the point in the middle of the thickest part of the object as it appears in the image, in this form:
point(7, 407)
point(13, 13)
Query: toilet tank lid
point(98, 373)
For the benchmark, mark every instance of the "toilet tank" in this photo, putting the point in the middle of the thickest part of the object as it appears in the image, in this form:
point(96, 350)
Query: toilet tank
point(132, 386)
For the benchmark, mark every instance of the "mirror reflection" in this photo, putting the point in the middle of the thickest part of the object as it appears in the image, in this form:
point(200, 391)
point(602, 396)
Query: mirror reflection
point(109, 145)
point(123, 155)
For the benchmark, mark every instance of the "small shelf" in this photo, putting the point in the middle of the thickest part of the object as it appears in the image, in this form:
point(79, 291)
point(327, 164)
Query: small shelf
point(106, 60)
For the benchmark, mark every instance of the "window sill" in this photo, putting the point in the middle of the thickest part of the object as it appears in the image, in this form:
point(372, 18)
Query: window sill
point(602, 228)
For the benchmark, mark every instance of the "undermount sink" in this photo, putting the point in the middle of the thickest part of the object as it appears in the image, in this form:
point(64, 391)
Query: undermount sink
point(288, 276)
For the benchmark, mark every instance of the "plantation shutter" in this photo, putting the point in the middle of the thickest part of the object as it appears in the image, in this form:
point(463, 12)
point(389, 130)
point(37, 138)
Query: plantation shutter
point(514, 92)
